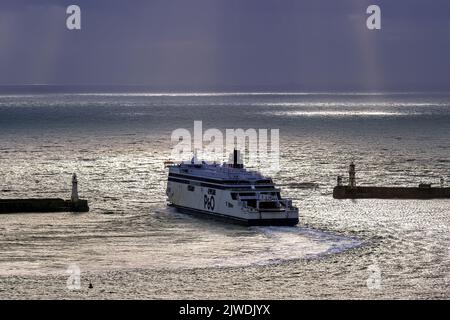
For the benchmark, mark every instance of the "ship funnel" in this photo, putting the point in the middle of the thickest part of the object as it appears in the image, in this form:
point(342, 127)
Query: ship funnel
point(236, 160)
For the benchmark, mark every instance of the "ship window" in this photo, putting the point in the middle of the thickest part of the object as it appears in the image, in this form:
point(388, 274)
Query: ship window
point(268, 205)
point(247, 194)
point(251, 203)
point(233, 196)
point(191, 188)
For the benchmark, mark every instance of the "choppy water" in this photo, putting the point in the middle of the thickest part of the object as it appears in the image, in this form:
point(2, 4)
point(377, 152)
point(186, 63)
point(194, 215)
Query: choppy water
point(131, 246)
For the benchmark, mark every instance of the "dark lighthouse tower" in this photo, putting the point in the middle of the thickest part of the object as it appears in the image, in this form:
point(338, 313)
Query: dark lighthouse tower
point(352, 175)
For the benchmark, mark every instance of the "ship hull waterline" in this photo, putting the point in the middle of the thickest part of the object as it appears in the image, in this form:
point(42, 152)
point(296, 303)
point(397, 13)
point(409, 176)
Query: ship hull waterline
point(289, 222)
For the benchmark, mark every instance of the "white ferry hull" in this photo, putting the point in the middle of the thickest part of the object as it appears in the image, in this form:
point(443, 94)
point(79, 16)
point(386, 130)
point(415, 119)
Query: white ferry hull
point(219, 204)
point(240, 221)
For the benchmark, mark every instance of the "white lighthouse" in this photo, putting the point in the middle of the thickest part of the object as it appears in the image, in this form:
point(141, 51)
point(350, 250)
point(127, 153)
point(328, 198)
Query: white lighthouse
point(74, 196)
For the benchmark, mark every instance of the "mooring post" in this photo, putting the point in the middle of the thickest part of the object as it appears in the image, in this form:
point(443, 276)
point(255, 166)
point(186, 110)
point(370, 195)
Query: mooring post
point(74, 197)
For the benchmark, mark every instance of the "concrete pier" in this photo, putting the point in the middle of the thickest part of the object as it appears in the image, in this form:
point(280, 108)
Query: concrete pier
point(42, 205)
point(46, 205)
point(352, 191)
point(360, 192)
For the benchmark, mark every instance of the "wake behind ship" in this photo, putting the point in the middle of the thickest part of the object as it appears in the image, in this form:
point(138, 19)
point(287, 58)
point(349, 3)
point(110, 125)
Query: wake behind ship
point(229, 192)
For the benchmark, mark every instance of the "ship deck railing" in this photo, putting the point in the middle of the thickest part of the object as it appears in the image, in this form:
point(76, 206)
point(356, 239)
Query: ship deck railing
point(247, 189)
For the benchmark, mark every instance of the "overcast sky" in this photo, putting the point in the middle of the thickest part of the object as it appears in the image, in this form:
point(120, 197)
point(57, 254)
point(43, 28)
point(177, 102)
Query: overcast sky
point(198, 44)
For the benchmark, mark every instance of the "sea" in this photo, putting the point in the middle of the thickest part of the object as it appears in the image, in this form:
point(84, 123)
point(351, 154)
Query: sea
point(131, 245)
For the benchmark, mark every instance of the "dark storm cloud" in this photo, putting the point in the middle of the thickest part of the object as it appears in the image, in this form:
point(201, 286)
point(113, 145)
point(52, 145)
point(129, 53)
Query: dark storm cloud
point(292, 45)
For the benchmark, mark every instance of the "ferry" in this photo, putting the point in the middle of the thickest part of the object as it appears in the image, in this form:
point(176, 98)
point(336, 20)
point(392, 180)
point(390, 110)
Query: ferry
point(228, 192)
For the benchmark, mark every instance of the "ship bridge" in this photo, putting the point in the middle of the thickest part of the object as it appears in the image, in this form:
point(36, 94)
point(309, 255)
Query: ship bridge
point(221, 175)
